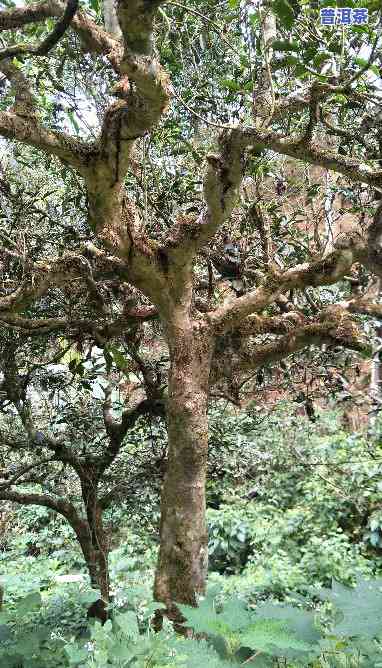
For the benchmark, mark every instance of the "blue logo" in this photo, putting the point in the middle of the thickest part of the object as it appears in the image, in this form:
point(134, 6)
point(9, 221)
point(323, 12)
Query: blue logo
point(330, 16)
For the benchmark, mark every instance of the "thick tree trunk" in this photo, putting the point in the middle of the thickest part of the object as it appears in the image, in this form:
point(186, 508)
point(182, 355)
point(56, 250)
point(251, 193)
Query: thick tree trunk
point(182, 563)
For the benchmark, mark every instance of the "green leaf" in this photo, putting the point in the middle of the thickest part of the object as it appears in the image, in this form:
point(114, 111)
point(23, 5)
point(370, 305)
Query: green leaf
point(284, 11)
point(75, 655)
point(5, 633)
point(300, 622)
point(29, 603)
point(231, 84)
point(197, 653)
point(89, 596)
point(360, 606)
point(235, 614)
point(205, 619)
point(128, 624)
point(272, 636)
point(363, 63)
point(285, 45)
point(119, 359)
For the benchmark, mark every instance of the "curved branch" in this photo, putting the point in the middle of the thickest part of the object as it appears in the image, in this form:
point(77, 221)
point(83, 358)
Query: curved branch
point(93, 37)
point(302, 149)
point(23, 471)
point(221, 185)
point(65, 508)
point(49, 42)
point(41, 278)
point(118, 430)
point(333, 326)
point(323, 272)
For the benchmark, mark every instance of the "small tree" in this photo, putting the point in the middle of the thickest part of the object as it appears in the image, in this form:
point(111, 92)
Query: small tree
point(67, 454)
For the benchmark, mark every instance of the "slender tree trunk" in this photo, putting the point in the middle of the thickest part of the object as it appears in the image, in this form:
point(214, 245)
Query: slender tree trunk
point(182, 563)
point(98, 564)
point(99, 571)
point(94, 545)
point(375, 386)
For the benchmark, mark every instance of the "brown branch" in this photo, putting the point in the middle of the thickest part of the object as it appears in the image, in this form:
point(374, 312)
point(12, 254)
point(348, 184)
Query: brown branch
point(316, 334)
point(363, 306)
point(24, 129)
point(118, 430)
point(332, 326)
point(42, 277)
point(62, 507)
point(225, 170)
point(21, 472)
point(314, 115)
point(25, 101)
point(136, 20)
point(11, 19)
point(323, 272)
point(297, 147)
point(255, 324)
point(49, 42)
point(374, 241)
point(221, 184)
point(93, 37)
point(347, 134)
point(261, 222)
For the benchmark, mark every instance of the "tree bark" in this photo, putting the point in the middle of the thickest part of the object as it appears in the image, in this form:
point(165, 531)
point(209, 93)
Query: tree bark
point(182, 562)
point(95, 551)
point(97, 544)
point(111, 19)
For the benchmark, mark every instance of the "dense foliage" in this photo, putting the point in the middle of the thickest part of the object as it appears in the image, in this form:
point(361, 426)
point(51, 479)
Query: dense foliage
point(294, 508)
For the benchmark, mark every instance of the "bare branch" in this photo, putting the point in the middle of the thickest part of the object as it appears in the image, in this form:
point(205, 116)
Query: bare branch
point(221, 183)
point(25, 102)
point(22, 471)
point(93, 37)
point(332, 326)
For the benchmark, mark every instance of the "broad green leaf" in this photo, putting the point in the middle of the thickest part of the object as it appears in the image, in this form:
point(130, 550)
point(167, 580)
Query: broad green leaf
point(29, 603)
point(272, 636)
point(300, 622)
point(360, 606)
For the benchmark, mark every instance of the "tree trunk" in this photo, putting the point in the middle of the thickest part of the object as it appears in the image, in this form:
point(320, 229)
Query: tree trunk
point(182, 562)
point(99, 571)
point(98, 557)
point(92, 539)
